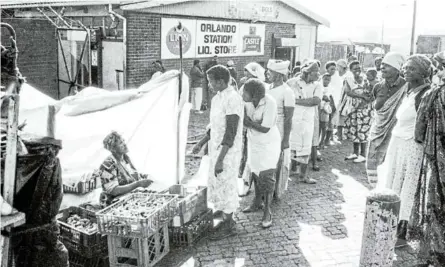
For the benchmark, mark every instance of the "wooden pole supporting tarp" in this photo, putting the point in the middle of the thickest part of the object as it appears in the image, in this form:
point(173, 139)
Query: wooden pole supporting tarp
point(380, 228)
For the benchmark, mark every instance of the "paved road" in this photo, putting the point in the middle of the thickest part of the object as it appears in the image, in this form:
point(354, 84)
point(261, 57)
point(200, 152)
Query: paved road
point(314, 225)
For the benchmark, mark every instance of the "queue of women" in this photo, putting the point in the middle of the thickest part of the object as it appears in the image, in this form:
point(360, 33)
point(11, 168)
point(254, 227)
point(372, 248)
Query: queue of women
point(266, 132)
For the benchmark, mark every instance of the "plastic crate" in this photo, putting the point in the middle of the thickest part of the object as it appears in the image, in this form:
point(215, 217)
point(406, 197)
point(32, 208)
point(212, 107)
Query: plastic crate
point(81, 188)
point(193, 231)
point(140, 252)
point(87, 244)
point(79, 260)
point(192, 202)
point(111, 222)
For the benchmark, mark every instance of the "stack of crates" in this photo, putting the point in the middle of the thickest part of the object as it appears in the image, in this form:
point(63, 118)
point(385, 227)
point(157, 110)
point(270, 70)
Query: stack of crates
point(137, 241)
point(85, 248)
point(194, 219)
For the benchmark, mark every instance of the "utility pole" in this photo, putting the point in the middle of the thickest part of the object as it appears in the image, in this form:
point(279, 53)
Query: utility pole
point(413, 30)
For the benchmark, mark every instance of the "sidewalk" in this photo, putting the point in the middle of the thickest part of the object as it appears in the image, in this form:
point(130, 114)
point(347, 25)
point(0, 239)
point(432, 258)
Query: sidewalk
point(313, 225)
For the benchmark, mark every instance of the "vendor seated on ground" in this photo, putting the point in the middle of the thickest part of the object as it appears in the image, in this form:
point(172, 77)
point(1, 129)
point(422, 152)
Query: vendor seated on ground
point(117, 173)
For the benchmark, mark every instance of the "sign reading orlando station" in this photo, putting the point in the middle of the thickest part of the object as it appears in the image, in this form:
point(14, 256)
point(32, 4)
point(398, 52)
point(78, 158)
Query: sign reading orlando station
point(202, 38)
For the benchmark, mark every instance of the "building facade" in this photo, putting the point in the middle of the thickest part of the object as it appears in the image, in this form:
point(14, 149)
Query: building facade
point(124, 38)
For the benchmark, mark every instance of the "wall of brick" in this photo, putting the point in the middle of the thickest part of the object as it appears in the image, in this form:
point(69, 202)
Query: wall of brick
point(144, 46)
point(37, 59)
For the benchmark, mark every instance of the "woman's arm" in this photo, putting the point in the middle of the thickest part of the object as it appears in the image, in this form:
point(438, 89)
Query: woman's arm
point(255, 125)
point(349, 92)
point(124, 189)
point(308, 102)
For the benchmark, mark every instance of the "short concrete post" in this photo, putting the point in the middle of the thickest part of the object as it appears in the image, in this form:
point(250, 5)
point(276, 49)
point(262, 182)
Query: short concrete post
point(380, 228)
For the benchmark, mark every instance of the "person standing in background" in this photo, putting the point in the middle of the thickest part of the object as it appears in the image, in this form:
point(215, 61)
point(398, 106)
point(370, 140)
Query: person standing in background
point(232, 70)
point(159, 69)
point(308, 93)
point(378, 67)
point(387, 96)
point(196, 80)
point(337, 81)
point(207, 91)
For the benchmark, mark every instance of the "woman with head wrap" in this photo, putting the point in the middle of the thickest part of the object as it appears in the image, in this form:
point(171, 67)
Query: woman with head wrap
point(401, 168)
point(252, 70)
point(264, 144)
point(428, 216)
point(285, 98)
point(308, 93)
point(117, 173)
point(439, 76)
point(358, 121)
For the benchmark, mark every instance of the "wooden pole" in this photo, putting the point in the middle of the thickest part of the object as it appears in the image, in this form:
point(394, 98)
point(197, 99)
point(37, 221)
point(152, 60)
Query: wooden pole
point(380, 229)
point(178, 134)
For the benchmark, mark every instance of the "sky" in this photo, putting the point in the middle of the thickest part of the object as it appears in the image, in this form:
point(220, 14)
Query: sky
point(362, 20)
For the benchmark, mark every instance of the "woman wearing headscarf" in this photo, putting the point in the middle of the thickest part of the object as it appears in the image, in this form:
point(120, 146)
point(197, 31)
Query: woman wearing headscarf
point(428, 216)
point(159, 69)
point(358, 121)
point(285, 99)
point(117, 173)
point(308, 93)
point(403, 160)
point(252, 70)
point(439, 76)
point(264, 142)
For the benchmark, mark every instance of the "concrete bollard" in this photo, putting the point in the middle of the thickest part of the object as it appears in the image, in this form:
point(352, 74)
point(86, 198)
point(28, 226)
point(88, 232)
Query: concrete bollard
point(380, 228)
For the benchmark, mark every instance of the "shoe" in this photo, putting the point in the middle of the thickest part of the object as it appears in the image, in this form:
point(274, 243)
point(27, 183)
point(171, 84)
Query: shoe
point(315, 168)
point(360, 159)
point(267, 224)
point(309, 181)
point(253, 208)
point(225, 230)
point(351, 157)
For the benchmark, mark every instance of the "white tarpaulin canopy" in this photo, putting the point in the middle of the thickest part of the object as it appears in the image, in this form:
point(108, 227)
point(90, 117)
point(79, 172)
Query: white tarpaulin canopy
point(146, 117)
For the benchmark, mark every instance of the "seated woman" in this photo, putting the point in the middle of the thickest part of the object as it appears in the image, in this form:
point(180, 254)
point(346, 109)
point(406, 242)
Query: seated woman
point(117, 173)
point(264, 144)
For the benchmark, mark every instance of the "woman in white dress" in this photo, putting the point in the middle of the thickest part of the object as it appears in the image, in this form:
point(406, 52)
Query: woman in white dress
point(264, 144)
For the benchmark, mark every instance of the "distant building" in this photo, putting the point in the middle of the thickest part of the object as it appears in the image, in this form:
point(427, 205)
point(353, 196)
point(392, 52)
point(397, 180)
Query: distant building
point(430, 44)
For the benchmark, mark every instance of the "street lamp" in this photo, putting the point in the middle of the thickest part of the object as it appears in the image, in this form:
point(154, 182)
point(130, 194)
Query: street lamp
point(383, 23)
point(413, 30)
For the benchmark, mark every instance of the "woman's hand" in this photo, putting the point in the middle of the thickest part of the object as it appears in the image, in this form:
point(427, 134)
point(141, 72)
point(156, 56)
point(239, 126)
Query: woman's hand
point(218, 168)
point(197, 148)
point(247, 122)
point(144, 183)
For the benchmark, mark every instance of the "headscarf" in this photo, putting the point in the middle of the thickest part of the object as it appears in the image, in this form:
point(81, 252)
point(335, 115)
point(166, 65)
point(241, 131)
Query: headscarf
point(395, 60)
point(440, 57)
point(278, 66)
point(230, 63)
point(256, 70)
point(111, 140)
point(309, 66)
point(423, 62)
point(342, 63)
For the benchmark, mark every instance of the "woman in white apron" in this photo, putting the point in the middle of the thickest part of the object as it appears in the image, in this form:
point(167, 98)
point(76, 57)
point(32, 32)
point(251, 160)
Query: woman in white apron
point(401, 169)
point(308, 93)
point(264, 144)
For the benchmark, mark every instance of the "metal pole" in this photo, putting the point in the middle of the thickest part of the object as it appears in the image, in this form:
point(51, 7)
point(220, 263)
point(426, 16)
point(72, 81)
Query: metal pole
point(413, 30)
point(383, 28)
point(178, 139)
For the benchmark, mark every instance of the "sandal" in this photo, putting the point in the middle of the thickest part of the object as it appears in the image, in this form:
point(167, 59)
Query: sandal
point(253, 208)
point(309, 181)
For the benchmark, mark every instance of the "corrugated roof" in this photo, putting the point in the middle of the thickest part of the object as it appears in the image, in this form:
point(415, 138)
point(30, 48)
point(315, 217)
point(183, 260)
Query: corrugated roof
point(40, 3)
point(291, 3)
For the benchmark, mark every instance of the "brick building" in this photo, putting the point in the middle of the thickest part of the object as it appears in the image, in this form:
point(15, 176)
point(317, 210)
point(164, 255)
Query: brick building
point(124, 38)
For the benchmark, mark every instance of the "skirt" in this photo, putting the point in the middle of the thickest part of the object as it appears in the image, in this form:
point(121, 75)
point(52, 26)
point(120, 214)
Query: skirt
point(358, 124)
point(265, 181)
point(401, 172)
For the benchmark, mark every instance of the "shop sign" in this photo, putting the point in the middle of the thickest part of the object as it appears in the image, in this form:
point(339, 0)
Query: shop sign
point(266, 10)
point(203, 38)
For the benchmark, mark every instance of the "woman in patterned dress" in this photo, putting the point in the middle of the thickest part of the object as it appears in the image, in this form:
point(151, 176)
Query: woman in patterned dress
point(117, 173)
point(403, 160)
point(428, 216)
point(358, 122)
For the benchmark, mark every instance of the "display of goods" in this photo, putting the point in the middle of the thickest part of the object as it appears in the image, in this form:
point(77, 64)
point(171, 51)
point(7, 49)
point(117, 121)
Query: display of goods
point(83, 225)
point(191, 203)
point(79, 232)
point(137, 215)
point(193, 231)
point(139, 252)
point(81, 187)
